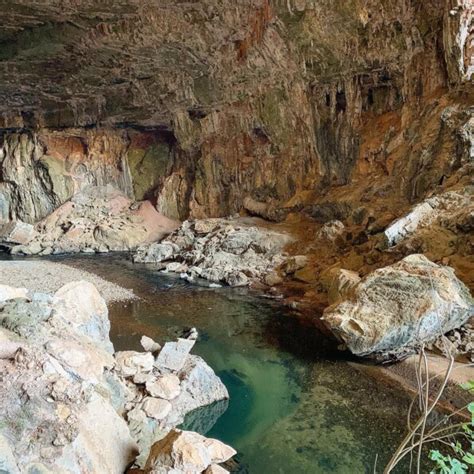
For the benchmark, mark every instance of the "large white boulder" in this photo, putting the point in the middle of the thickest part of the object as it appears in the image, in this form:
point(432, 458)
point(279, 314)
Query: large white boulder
point(396, 308)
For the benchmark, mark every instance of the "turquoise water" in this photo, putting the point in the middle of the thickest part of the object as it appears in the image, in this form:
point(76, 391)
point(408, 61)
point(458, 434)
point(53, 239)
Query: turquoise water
point(297, 405)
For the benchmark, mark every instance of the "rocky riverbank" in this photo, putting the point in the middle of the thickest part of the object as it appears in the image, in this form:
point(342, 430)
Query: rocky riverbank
point(70, 404)
point(96, 219)
point(232, 251)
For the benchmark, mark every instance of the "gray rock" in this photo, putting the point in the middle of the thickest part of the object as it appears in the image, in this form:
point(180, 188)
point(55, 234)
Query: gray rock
point(173, 355)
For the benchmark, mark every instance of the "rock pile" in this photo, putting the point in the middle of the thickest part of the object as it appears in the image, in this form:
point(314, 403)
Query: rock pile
point(68, 404)
point(218, 250)
point(97, 219)
point(162, 389)
point(394, 309)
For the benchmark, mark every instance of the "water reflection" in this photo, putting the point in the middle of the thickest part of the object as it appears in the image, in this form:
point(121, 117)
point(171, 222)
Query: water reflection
point(295, 405)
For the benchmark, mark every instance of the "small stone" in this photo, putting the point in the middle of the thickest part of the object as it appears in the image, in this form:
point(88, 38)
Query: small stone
point(149, 344)
point(143, 378)
point(156, 408)
point(272, 278)
point(167, 387)
point(216, 469)
point(130, 363)
point(237, 279)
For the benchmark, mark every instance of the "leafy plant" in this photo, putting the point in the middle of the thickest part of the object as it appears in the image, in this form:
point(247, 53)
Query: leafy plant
point(455, 435)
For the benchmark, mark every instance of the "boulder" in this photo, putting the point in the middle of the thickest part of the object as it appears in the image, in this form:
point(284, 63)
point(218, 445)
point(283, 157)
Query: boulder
point(437, 209)
point(342, 284)
point(395, 309)
point(17, 233)
point(200, 386)
point(186, 451)
point(85, 309)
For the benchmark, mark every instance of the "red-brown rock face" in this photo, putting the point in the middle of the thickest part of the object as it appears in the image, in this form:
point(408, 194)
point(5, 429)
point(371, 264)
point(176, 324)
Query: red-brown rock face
point(211, 107)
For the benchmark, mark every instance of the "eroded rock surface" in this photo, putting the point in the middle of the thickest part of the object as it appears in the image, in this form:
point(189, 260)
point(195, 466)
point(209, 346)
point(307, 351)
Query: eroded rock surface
point(219, 250)
point(184, 451)
point(98, 219)
point(57, 387)
point(69, 403)
point(395, 309)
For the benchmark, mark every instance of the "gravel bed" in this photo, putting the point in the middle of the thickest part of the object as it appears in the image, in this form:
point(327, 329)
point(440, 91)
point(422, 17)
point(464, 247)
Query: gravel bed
point(48, 277)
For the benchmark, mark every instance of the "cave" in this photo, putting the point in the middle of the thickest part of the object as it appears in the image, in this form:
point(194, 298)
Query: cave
point(236, 236)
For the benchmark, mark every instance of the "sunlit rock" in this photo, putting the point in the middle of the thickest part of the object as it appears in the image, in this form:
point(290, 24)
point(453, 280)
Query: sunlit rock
point(395, 309)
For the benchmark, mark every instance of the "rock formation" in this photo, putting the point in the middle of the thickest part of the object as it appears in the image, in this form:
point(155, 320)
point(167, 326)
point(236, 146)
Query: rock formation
point(70, 404)
point(351, 124)
point(97, 219)
point(219, 250)
point(395, 309)
point(261, 105)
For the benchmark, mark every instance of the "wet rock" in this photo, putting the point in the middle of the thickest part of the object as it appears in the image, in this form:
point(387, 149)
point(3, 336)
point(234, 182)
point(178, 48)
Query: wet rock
point(236, 279)
point(186, 451)
point(216, 469)
point(396, 308)
point(200, 387)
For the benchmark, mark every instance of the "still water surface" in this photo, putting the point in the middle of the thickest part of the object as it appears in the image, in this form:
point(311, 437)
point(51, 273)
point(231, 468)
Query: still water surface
point(296, 406)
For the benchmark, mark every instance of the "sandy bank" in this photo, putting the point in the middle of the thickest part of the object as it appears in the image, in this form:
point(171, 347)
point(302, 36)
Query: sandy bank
point(48, 277)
